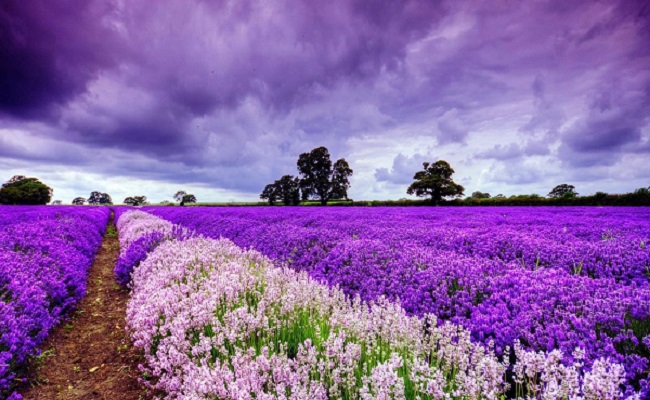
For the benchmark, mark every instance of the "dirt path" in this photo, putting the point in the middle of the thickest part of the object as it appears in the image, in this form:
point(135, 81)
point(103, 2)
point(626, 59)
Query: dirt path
point(90, 356)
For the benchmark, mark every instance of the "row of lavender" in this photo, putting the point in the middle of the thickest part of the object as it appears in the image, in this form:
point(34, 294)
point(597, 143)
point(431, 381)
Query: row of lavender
point(216, 321)
point(45, 254)
point(550, 278)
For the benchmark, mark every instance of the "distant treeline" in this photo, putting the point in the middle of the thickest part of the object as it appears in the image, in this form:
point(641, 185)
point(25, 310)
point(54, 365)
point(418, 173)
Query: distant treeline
point(640, 197)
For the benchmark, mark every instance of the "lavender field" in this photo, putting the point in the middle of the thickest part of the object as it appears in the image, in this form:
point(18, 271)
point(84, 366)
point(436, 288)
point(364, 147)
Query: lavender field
point(349, 303)
point(45, 254)
point(557, 300)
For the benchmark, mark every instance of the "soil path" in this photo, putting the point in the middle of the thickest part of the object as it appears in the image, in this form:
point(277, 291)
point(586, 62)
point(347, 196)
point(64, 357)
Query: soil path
point(90, 356)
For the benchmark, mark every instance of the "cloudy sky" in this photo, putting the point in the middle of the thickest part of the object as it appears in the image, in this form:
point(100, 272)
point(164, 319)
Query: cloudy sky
point(220, 97)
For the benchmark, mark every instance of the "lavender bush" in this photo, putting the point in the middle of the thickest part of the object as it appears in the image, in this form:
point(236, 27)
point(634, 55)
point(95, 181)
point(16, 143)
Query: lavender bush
point(139, 234)
point(45, 254)
point(549, 278)
point(134, 255)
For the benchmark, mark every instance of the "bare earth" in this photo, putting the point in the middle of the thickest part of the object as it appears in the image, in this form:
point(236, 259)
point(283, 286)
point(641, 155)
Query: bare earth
point(90, 356)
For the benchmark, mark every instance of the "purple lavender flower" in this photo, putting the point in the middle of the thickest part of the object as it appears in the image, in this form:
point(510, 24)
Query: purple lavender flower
point(45, 254)
point(134, 254)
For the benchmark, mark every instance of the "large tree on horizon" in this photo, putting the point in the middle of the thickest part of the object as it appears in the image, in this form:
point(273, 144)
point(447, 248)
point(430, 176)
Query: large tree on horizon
point(135, 200)
point(99, 198)
point(21, 190)
point(435, 181)
point(563, 190)
point(182, 197)
point(320, 180)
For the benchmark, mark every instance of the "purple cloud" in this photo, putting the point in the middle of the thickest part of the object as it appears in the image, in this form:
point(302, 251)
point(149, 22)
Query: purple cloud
point(227, 94)
point(612, 126)
point(402, 170)
point(50, 50)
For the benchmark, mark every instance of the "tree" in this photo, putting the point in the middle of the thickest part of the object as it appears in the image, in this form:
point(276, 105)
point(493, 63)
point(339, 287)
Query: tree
point(270, 194)
point(285, 189)
point(480, 195)
point(188, 198)
point(563, 190)
point(57, 203)
point(135, 200)
point(435, 181)
point(25, 191)
point(79, 201)
point(641, 196)
point(340, 181)
point(179, 196)
point(319, 180)
point(99, 198)
point(14, 179)
point(499, 196)
point(288, 187)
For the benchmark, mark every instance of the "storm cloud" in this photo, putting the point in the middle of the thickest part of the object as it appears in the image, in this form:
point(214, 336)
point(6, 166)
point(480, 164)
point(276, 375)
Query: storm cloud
point(225, 95)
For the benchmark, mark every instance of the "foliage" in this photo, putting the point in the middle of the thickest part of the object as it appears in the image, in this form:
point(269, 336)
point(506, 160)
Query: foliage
point(340, 181)
point(642, 192)
point(319, 179)
point(184, 198)
point(285, 189)
point(597, 199)
point(435, 181)
point(187, 199)
point(270, 194)
point(99, 198)
point(481, 195)
point(563, 190)
point(136, 200)
point(57, 202)
point(79, 201)
point(179, 196)
point(25, 191)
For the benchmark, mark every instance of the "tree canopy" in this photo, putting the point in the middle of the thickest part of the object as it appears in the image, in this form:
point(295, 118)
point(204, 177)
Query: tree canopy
point(135, 200)
point(481, 195)
point(182, 197)
point(563, 190)
point(188, 198)
point(340, 181)
point(435, 181)
point(270, 194)
point(179, 195)
point(99, 198)
point(320, 180)
point(285, 189)
point(25, 191)
point(79, 201)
